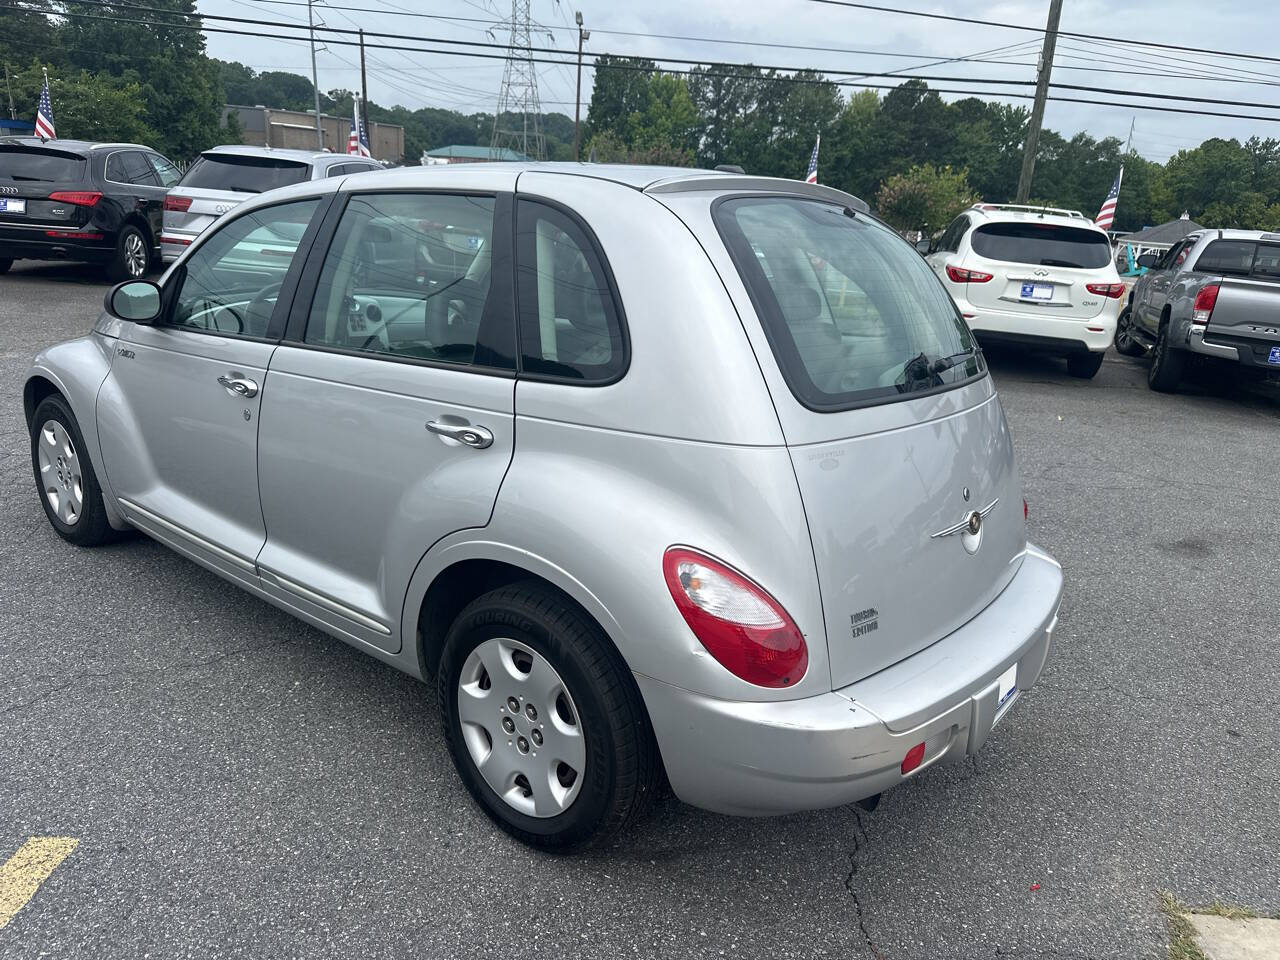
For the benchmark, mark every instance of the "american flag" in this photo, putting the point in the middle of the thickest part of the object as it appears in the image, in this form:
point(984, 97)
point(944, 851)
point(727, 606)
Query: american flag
point(358, 141)
point(811, 175)
point(44, 114)
point(1108, 212)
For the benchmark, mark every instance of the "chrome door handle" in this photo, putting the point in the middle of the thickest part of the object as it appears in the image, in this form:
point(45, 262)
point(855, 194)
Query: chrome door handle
point(240, 386)
point(476, 436)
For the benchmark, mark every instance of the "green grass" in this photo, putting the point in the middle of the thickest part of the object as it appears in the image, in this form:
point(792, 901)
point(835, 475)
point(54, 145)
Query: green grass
point(1182, 935)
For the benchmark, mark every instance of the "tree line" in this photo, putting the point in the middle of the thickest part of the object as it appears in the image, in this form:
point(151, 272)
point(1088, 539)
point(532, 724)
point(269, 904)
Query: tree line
point(912, 155)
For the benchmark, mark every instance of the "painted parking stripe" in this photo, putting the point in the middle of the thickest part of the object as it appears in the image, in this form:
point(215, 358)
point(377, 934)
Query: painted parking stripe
point(22, 875)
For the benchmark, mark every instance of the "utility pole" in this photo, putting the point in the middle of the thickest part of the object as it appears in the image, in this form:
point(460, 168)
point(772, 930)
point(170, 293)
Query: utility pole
point(1037, 111)
point(13, 113)
point(583, 35)
point(364, 91)
point(315, 82)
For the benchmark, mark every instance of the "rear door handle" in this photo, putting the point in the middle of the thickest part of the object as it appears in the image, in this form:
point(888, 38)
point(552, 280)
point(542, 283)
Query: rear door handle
point(239, 386)
point(473, 436)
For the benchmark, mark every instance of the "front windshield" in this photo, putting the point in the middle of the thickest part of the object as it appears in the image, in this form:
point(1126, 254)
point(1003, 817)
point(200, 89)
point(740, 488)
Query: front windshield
point(854, 315)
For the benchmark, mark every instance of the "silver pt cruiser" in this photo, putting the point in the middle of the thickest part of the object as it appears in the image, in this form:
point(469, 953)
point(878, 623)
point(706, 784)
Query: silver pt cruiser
point(653, 472)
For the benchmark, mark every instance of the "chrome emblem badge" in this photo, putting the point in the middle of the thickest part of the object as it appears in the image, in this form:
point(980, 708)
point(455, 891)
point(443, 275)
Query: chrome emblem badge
point(975, 523)
point(970, 528)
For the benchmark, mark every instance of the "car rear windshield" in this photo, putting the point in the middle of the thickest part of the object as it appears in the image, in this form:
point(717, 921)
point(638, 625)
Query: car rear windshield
point(1241, 258)
point(39, 164)
point(1046, 244)
point(854, 315)
point(244, 174)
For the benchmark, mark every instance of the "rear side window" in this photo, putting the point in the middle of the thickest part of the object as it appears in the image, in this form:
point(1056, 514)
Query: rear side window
point(243, 174)
point(28, 163)
point(1045, 244)
point(1233, 257)
point(854, 315)
point(166, 171)
point(570, 323)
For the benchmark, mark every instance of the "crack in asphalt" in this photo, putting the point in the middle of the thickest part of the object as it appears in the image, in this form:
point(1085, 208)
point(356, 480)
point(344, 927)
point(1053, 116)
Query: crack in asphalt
point(860, 842)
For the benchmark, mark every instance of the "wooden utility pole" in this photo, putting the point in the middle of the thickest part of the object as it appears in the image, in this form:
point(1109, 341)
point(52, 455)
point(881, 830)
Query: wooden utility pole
point(1037, 110)
point(13, 113)
point(364, 94)
point(577, 100)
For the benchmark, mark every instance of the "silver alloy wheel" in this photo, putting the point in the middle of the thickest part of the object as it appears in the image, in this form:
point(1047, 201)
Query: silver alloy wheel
point(521, 727)
point(135, 255)
point(1124, 338)
point(60, 476)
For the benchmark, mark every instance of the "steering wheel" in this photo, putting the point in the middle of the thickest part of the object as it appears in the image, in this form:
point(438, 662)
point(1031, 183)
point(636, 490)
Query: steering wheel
point(258, 305)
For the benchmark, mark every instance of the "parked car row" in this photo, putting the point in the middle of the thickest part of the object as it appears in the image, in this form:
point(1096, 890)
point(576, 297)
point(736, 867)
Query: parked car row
point(125, 206)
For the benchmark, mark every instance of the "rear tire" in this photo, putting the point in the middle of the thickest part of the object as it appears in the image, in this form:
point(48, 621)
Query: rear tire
point(5, 264)
point(132, 258)
point(1126, 342)
point(1084, 365)
point(1167, 364)
point(65, 480)
point(515, 644)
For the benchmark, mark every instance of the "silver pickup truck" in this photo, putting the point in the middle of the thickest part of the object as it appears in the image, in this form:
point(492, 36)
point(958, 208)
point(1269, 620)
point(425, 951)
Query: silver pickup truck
point(1215, 294)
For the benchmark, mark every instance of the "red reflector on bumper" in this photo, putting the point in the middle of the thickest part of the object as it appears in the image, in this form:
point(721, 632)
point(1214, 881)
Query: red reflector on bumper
point(913, 758)
point(72, 235)
point(177, 241)
point(1095, 329)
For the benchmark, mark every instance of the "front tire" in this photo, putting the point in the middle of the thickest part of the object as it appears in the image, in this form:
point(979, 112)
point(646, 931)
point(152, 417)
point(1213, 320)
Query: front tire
point(64, 475)
point(574, 761)
point(1167, 364)
point(1126, 342)
point(132, 258)
point(1084, 365)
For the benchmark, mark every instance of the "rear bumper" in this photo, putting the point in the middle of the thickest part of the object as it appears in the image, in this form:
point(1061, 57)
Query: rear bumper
point(174, 243)
point(759, 759)
point(31, 244)
point(1247, 351)
point(1042, 330)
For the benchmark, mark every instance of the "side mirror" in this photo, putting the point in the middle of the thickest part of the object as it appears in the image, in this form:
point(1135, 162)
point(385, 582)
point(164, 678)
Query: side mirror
point(923, 245)
point(134, 300)
point(1148, 260)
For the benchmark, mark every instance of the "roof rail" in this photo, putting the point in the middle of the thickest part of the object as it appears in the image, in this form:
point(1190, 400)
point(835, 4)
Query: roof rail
point(1029, 208)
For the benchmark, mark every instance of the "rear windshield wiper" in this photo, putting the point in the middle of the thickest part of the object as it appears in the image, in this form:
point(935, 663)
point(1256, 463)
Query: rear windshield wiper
point(946, 363)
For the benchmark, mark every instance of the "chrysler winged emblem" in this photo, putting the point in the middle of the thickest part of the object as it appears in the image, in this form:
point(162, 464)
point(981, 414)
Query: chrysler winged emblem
point(970, 528)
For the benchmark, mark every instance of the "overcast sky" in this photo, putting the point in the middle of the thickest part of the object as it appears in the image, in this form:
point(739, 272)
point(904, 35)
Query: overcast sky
point(468, 85)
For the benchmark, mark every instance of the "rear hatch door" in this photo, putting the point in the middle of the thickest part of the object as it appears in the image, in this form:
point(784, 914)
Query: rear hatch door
point(895, 432)
point(30, 176)
point(217, 182)
point(1040, 267)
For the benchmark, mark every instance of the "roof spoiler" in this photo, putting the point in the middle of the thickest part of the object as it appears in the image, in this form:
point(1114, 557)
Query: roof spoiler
point(1029, 208)
point(758, 185)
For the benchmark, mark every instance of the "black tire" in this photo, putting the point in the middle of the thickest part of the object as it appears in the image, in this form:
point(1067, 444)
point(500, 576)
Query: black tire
point(623, 771)
point(1126, 341)
point(5, 264)
point(1084, 365)
point(132, 258)
point(89, 528)
point(1167, 364)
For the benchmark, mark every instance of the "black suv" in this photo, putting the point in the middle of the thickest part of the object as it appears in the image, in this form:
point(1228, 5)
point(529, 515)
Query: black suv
point(72, 200)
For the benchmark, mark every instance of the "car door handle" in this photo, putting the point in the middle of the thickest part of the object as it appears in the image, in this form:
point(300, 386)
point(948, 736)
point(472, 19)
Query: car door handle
point(240, 386)
point(473, 436)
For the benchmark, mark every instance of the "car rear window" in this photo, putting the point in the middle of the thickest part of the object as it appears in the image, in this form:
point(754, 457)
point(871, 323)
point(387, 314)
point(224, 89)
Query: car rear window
point(40, 164)
point(1241, 258)
point(854, 315)
point(244, 174)
point(1045, 244)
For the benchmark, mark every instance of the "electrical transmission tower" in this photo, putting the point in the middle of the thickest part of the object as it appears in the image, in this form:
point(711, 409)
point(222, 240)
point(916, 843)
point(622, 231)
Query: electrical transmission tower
point(517, 121)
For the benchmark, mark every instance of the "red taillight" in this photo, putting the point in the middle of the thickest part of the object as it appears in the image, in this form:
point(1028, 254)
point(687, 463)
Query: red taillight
point(72, 235)
point(1206, 300)
point(1112, 290)
point(744, 628)
point(177, 204)
point(78, 198)
point(961, 275)
point(913, 758)
point(1026, 511)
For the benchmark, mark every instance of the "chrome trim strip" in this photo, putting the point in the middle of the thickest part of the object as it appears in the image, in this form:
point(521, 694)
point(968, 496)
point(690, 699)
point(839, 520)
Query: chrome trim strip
point(320, 600)
point(964, 524)
point(1197, 343)
point(168, 525)
point(1039, 303)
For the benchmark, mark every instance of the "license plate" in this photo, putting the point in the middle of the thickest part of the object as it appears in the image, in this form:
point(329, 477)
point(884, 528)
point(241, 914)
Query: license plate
point(1037, 291)
point(9, 205)
point(1274, 356)
point(1008, 692)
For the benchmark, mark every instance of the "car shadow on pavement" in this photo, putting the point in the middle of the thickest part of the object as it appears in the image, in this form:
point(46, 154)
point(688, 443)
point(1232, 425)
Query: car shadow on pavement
point(57, 271)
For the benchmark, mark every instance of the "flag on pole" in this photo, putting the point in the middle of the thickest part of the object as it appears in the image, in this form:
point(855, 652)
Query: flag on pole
point(358, 141)
point(44, 113)
point(1107, 214)
point(811, 175)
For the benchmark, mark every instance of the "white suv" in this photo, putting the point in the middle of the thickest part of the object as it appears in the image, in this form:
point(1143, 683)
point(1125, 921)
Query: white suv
point(1035, 277)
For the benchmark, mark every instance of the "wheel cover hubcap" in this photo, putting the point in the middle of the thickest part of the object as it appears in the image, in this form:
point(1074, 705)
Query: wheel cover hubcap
point(60, 477)
point(521, 727)
point(134, 255)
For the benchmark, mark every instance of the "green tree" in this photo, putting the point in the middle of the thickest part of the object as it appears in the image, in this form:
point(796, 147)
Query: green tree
point(88, 106)
point(620, 89)
point(669, 121)
point(924, 198)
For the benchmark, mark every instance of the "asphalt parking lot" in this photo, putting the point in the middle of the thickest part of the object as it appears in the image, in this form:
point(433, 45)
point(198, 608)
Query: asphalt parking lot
point(242, 785)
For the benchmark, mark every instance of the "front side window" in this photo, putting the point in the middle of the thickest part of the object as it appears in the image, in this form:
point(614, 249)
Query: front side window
point(570, 324)
point(407, 275)
point(1044, 244)
point(230, 283)
point(853, 314)
point(244, 174)
point(166, 171)
point(950, 241)
point(138, 170)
